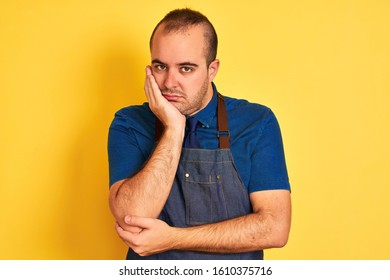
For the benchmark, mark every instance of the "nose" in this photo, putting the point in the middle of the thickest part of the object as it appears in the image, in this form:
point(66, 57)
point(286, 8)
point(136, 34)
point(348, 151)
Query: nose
point(170, 79)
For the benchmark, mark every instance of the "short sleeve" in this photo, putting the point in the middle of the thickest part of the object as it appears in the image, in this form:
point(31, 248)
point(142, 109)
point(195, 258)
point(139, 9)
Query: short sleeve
point(268, 165)
point(124, 154)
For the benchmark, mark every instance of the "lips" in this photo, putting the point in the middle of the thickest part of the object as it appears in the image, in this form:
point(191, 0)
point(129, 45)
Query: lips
point(172, 97)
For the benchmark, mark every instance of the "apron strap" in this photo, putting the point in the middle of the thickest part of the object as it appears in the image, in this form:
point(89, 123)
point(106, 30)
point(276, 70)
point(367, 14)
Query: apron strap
point(223, 130)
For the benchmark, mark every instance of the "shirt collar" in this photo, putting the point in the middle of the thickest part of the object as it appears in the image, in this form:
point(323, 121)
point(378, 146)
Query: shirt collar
point(206, 115)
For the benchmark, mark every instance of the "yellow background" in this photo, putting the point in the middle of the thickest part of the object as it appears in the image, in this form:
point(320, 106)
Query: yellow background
point(67, 66)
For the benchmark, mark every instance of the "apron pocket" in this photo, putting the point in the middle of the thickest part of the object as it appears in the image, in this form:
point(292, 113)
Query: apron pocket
point(204, 200)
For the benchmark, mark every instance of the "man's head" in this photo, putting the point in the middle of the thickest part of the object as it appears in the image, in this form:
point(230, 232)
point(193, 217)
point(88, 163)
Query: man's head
point(183, 49)
point(181, 20)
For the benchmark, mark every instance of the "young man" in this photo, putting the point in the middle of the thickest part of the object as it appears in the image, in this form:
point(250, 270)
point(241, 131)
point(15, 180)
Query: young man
point(225, 194)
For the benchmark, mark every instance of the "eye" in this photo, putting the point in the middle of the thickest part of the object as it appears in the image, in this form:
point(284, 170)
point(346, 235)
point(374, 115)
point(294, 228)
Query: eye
point(160, 67)
point(186, 69)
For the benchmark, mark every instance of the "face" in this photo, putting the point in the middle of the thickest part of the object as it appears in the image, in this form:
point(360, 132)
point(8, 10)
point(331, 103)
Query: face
point(180, 69)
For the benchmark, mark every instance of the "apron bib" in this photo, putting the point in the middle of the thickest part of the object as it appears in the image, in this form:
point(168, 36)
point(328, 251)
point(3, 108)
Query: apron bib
point(206, 189)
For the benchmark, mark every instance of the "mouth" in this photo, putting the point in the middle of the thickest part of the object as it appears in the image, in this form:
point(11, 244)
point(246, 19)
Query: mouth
point(172, 97)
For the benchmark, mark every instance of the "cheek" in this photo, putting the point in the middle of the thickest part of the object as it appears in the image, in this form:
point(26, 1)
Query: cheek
point(196, 81)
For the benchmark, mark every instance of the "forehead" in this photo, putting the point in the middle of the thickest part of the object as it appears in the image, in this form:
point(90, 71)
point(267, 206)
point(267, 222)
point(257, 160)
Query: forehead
point(179, 45)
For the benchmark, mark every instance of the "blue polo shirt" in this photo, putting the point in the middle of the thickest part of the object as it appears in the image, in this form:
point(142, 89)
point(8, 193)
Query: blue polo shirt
point(255, 141)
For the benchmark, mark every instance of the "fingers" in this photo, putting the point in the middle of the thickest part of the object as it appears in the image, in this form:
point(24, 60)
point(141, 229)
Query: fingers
point(126, 236)
point(139, 222)
point(148, 71)
point(133, 227)
point(157, 103)
point(166, 112)
point(134, 240)
point(151, 87)
point(156, 236)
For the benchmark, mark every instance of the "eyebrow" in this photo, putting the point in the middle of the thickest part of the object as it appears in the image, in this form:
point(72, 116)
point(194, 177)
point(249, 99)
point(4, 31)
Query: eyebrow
point(157, 61)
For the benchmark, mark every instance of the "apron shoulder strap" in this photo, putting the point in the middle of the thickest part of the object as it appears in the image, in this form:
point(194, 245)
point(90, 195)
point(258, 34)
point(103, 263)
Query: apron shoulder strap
point(223, 129)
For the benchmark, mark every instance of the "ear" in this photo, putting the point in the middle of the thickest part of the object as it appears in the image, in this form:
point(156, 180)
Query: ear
point(213, 69)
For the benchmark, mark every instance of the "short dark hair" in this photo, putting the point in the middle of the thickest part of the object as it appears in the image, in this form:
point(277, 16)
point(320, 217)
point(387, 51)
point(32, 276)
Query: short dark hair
point(182, 19)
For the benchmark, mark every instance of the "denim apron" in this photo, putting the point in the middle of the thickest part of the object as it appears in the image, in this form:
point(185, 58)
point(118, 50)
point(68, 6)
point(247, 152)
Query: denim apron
point(206, 189)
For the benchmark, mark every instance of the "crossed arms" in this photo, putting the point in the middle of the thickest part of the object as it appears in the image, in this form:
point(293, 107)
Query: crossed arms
point(137, 201)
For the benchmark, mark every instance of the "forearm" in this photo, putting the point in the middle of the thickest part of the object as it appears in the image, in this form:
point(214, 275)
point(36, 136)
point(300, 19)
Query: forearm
point(247, 233)
point(145, 193)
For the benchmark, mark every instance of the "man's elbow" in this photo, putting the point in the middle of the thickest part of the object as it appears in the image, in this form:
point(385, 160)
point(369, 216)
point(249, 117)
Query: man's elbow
point(273, 239)
point(280, 240)
point(113, 200)
point(280, 235)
